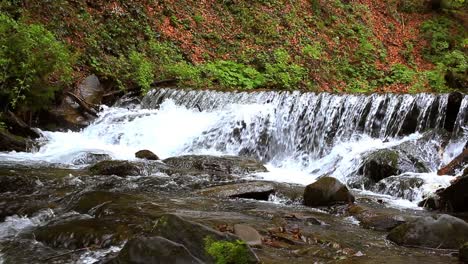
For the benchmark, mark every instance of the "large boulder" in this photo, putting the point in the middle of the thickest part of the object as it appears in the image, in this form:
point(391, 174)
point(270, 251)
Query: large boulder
point(443, 231)
point(201, 240)
point(69, 114)
point(154, 250)
point(247, 190)
point(384, 163)
point(225, 164)
point(327, 191)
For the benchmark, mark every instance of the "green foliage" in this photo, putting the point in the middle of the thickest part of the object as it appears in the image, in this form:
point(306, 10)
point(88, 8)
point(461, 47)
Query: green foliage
point(283, 72)
point(33, 64)
point(313, 51)
point(232, 74)
point(141, 70)
point(437, 31)
point(225, 252)
point(188, 74)
point(399, 74)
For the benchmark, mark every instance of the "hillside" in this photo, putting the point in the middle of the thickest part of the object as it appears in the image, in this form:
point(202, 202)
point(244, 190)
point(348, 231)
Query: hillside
point(316, 45)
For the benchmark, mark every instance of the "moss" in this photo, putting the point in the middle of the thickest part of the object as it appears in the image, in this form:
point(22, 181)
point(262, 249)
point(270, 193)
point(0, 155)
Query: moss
point(226, 252)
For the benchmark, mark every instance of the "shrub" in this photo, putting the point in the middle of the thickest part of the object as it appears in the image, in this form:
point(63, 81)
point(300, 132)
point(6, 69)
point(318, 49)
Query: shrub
point(141, 70)
point(225, 252)
point(34, 64)
point(313, 51)
point(399, 74)
point(283, 73)
point(232, 74)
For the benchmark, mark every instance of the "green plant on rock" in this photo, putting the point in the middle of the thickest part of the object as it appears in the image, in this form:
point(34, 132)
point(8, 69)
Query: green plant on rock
point(226, 252)
point(33, 64)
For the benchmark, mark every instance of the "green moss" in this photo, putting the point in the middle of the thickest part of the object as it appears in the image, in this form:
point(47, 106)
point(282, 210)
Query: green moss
point(226, 252)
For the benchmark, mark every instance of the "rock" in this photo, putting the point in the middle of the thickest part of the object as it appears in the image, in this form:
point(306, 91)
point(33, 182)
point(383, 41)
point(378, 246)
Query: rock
point(380, 165)
point(117, 167)
point(327, 191)
point(195, 238)
point(455, 197)
point(92, 199)
point(247, 190)
point(146, 154)
point(371, 219)
point(248, 234)
point(68, 115)
point(80, 233)
point(10, 142)
point(456, 165)
point(453, 107)
point(17, 184)
point(384, 163)
point(443, 231)
point(90, 158)
point(18, 127)
point(404, 186)
point(463, 253)
point(149, 250)
point(226, 164)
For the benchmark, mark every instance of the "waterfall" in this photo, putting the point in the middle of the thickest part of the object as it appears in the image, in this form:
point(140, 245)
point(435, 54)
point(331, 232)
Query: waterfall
point(300, 136)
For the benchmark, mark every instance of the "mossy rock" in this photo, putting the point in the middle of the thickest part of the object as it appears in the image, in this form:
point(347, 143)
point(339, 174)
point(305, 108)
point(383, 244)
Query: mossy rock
point(194, 237)
point(443, 231)
point(155, 250)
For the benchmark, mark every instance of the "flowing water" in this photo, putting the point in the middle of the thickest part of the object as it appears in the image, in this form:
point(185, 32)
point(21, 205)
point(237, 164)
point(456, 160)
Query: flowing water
point(300, 136)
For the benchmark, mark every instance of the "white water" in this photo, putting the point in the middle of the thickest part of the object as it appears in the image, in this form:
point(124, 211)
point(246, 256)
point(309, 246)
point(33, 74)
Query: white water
point(291, 137)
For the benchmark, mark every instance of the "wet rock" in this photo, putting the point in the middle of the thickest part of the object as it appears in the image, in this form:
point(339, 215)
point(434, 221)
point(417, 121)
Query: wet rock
point(80, 233)
point(443, 231)
point(17, 184)
point(10, 142)
point(24, 205)
point(327, 191)
point(375, 220)
point(453, 107)
point(124, 168)
point(292, 193)
point(380, 165)
point(455, 197)
point(456, 165)
point(31, 252)
point(463, 253)
point(384, 163)
point(403, 186)
point(247, 190)
point(117, 167)
point(90, 158)
point(248, 234)
point(194, 237)
point(226, 164)
point(154, 250)
point(146, 154)
point(92, 199)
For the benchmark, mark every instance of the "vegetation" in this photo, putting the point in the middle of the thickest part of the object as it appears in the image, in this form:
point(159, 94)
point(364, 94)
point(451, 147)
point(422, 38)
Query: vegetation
point(335, 46)
point(226, 252)
point(33, 63)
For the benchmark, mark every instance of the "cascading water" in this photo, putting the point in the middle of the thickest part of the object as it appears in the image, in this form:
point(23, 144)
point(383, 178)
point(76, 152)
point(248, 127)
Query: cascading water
point(301, 136)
